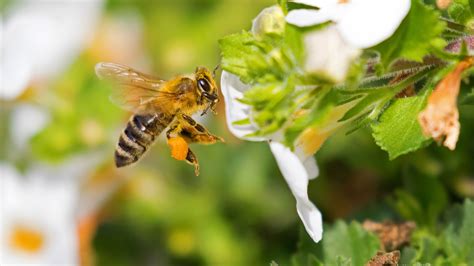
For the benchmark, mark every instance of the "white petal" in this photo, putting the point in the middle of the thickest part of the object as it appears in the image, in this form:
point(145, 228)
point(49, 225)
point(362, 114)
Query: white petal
point(369, 22)
point(297, 174)
point(40, 39)
point(309, 17)
point(232, 89)
point(328, 54)
point(44, 203)
point(309, 163)
point(26, 121)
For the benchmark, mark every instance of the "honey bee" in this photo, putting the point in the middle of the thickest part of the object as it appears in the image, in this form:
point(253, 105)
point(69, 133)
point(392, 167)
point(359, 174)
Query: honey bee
point(159, 104)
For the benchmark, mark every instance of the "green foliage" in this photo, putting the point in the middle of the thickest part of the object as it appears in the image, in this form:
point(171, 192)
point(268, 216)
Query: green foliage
point(343, 244)
point(454, 246)
point(459, 236)
point(468, 98)
point(398, 131)
point(272, 67)
point(461, 11)
point(418, 35)
point(239, 211)
point(268, 64)
point(451, 243)
point(81, 116)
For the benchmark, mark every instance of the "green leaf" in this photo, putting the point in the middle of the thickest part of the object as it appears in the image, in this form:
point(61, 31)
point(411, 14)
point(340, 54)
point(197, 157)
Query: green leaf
point(459, 245)
point(398, 131)
point(406, 205)
point(235, 52)
point(284, 5)
point(452, 244)
point(343, 242)
point(417, 36)
point(308, 251)
point(461, 10)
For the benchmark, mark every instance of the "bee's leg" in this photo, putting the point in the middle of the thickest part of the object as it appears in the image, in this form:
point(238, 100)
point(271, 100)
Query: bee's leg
point(173, 130)
point(179, 147)
point(192, 159)
point(194, 132)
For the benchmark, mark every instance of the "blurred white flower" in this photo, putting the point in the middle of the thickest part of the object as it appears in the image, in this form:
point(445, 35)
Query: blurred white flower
point(39, 212)
point(297, 167)
point(40, 39)
point(37, 219)
point(26, 120)
point(361, 23)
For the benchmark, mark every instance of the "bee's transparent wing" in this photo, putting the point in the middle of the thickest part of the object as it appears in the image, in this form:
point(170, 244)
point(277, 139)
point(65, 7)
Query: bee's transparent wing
point(136, 91)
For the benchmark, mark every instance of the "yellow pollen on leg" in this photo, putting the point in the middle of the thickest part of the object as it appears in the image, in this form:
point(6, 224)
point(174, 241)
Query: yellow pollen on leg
point(179, 148)
point(26, 239)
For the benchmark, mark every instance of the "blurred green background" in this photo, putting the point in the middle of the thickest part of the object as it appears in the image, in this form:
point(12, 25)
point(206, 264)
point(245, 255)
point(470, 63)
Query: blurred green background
point(239, 211)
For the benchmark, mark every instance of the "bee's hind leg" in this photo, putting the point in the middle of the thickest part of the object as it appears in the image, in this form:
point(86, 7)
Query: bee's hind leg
point(177, 141)
point(192, 159)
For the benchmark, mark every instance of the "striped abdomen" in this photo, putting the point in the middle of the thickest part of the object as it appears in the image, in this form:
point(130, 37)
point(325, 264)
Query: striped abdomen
point(139, 134)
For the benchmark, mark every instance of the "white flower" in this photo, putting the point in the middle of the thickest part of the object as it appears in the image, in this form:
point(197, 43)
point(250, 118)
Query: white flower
point(37, 219)
point(39, 212)
point(40, 39)
point(328, 54)
point(361, 23)
point(297, 167)
point(26, 121)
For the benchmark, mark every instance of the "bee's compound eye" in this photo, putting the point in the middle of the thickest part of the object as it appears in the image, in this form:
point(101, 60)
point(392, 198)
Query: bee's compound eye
point(204, 85)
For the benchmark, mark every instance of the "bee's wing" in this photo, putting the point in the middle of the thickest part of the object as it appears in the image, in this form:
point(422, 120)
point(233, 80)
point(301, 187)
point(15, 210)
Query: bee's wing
point(136, 90)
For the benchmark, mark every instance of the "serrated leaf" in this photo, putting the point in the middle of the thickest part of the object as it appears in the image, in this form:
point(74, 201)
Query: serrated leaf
point(349, 242)
point(418, 34)
point(235, 51)
point(342, 244)
point(398, 131)
point(459, 245)
point(461, 10)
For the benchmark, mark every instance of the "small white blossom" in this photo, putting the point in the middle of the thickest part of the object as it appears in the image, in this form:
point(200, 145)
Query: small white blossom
point(361, 23)
point(39, 212)
point(296, 167)
point(40, 39)
point(26, 121)
point(37, 219)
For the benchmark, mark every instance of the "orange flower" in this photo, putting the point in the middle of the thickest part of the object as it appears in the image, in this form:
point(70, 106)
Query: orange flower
point(439, 120)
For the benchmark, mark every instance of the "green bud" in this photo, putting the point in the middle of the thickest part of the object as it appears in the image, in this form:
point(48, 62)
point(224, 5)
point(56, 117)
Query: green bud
point(270, 21)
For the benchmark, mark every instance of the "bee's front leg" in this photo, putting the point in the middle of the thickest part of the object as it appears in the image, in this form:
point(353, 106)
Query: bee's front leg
point(194, 132)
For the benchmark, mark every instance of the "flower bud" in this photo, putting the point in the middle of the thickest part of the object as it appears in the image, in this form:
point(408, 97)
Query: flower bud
point(270, 21)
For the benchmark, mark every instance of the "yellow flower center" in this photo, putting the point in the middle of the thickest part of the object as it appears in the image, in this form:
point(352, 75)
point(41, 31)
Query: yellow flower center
point(26, 239)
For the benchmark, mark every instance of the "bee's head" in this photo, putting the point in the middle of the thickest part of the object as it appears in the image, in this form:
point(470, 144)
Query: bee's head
point(207, 88)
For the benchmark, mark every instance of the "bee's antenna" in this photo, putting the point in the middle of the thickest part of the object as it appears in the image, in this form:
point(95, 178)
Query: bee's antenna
point(215, 70)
